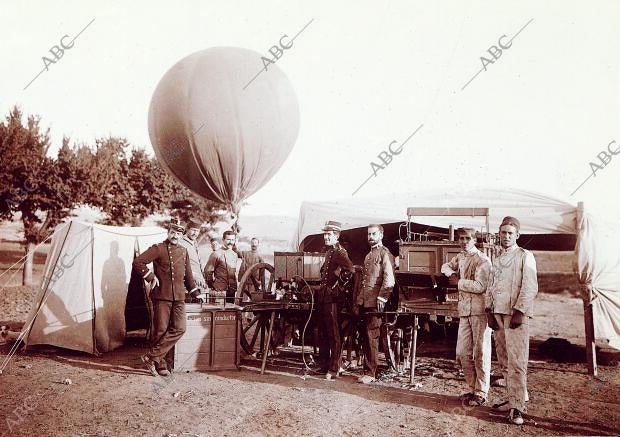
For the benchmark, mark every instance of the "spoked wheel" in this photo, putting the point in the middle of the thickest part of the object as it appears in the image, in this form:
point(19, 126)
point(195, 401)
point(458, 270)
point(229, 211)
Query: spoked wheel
point(250, 284)
point(257, 280)
point(253, 325)
point(393, 340)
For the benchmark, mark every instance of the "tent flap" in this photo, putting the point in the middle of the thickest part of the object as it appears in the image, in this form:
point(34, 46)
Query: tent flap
point(598, 270)
point(80, 304)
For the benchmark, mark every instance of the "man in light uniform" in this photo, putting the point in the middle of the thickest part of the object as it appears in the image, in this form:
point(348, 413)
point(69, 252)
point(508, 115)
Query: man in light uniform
point(336, 261)
point(248, 259)
point(221, 269)
point(469, 271)
point(377, 284)
point(189, 242)
point(509, 306)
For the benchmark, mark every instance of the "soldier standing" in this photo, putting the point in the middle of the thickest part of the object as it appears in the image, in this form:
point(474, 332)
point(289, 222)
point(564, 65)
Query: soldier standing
point(249, 258)
point(221, 269)
point(336, 261)
point(172, 273)
point(377, 285)
point(509, 305)
point(469, 271)
point(189, 242)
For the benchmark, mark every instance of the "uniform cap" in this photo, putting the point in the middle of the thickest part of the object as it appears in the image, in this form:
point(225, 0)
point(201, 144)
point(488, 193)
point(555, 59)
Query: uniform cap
point(512, 221)
point(175, 224)
point(194, 223)
point(332, 226)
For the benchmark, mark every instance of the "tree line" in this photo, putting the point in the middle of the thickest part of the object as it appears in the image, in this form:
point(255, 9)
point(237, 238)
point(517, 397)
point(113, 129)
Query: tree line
point(121, 181)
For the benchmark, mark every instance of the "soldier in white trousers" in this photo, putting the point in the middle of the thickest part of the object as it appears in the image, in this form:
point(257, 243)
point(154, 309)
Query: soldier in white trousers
point(509, 306)
point(469, 271)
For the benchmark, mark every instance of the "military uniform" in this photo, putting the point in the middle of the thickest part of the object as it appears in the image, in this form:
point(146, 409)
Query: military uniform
point(172, 268)
point(221, 270)
point(377, 281)
point(330, 345)
point(194, 261)
point(248, 259)
point(473, 345)
point(513, 285)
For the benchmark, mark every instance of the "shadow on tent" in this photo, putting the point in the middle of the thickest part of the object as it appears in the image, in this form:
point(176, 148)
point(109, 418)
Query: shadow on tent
point(66, 317)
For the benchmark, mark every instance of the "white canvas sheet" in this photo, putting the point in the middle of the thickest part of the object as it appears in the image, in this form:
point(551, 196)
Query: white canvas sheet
point(82, 306)
point(597, 252)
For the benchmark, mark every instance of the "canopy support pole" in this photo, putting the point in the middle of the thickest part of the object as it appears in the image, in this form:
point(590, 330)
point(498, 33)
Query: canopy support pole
point(588, 314)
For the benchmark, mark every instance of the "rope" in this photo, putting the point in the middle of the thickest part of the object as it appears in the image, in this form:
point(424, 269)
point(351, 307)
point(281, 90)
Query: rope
point(26, 329)
point(5, 285)
point(24, 257)
point(163, 231)
point(303, 333)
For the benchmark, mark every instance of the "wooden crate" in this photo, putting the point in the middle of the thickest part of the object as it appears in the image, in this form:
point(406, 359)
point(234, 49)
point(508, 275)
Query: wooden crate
point(211, 339)
point(304, 264)
point(426, 257)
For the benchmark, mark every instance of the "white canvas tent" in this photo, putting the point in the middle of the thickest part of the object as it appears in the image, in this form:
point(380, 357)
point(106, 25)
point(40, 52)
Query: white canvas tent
point(597, 251)
point(80, 304)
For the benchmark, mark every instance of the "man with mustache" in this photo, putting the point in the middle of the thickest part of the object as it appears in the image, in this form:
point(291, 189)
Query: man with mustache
point(221, 269)
point(509, 306)
point(172, 274)
point(377, 285)
point(249, 258)
point(189, 242)
point(469, 271)
point(336, 262)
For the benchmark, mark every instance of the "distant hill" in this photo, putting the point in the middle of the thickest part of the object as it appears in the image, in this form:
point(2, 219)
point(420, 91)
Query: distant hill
point(269, 227)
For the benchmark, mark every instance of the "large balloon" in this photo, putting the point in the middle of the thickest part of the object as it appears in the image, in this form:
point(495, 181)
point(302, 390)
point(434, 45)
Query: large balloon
point(220, 136)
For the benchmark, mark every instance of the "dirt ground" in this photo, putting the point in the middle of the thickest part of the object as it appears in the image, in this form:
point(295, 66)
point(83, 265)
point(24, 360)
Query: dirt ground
point(114, 395)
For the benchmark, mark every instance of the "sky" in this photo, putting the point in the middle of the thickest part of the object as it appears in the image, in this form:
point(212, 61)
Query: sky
point(367, 74)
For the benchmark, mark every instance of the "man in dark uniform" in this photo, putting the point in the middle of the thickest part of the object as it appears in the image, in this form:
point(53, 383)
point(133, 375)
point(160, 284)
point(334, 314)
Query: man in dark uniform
point(336, 261)
point(377, 285)
point(172, 273)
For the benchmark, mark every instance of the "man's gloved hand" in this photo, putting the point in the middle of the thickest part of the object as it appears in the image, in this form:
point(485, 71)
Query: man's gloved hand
point(355, 310)
point(492, 322)
point(381, 304)
point(516, 320)
point(154, 283)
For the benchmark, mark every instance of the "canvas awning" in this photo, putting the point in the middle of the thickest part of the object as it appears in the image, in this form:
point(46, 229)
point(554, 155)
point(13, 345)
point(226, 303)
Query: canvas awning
point(597, 247)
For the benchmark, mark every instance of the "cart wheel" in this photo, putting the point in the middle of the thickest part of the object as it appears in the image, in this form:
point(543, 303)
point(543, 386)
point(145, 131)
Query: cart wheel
point(254, 332)
point(254, 325)
point(246, 284)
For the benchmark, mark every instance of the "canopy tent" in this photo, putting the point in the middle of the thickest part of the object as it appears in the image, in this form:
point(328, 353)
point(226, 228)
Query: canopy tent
point(82, 300)
point(558, 224)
